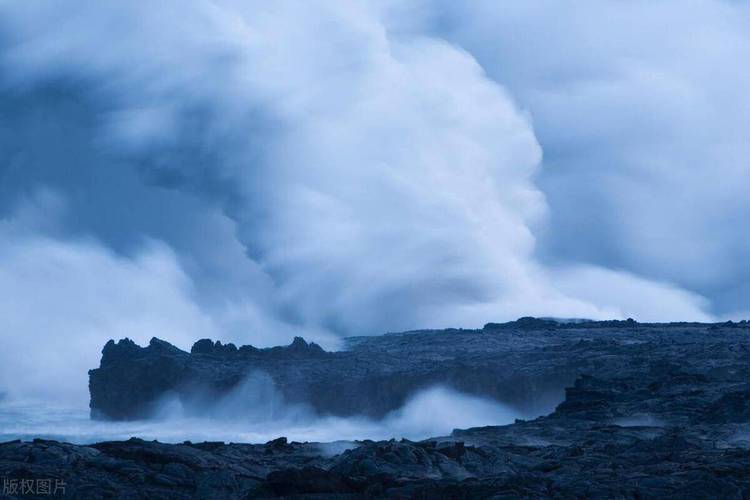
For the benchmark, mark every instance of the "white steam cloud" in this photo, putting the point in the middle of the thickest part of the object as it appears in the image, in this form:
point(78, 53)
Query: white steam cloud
point(642, 110)
point(252, 170)
point(61, 299)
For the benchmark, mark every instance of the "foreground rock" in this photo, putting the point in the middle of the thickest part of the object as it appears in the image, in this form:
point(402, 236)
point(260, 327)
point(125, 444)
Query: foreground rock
point(573, 453)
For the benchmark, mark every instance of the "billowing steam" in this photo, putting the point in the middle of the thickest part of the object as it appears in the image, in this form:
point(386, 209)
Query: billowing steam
point(255, 412)
point(251, 171)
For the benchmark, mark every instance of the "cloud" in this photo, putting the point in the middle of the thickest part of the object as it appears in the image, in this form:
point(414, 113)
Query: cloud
point(376, 181)
point(642, 111)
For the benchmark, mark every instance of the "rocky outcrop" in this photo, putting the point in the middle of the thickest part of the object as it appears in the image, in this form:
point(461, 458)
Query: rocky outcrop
point(525, 364)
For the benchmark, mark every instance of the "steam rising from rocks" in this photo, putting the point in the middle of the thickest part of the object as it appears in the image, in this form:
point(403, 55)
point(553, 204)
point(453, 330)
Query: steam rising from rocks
point(251, 171)
point(256, 413)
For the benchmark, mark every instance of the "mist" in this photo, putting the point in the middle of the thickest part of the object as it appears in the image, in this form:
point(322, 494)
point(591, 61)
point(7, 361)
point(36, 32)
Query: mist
point(255, 413)
point(256, 406)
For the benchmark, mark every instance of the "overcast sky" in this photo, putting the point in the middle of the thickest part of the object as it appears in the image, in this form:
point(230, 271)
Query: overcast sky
point(251, 170)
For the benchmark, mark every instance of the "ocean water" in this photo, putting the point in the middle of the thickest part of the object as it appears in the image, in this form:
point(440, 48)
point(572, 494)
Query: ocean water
point(434, 412)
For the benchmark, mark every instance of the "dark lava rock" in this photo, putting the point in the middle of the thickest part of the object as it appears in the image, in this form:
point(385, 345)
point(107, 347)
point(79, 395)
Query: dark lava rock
point(525, 364)
point(647, 411)
point(549, 457)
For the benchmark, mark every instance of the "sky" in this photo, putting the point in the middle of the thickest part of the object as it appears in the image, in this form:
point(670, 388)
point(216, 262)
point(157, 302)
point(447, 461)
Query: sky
point(251, 171)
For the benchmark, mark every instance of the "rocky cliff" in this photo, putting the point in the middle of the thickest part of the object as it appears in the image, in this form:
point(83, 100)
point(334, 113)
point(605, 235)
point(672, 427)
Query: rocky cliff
point(525, 364)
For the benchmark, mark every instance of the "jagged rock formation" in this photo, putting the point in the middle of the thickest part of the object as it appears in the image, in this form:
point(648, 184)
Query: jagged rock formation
point(525, 364)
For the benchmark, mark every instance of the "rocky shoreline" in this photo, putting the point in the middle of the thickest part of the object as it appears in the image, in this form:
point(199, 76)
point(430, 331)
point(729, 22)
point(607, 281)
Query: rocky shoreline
point(649, 411)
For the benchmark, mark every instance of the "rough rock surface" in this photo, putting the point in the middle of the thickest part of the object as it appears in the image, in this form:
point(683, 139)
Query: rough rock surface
point(525, 364)
point(652, 411)
point(682, 450)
